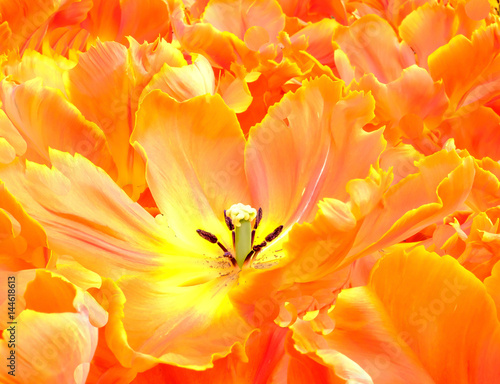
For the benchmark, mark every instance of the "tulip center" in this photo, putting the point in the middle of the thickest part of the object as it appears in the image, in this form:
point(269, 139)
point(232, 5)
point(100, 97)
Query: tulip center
point(239, 219)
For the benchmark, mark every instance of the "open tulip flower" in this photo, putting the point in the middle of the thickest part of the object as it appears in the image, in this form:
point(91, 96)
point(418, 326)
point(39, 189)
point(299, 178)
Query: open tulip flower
point(233, 191)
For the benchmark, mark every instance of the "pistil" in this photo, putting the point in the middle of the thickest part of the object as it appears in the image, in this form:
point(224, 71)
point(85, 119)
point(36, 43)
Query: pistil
point(241, 217)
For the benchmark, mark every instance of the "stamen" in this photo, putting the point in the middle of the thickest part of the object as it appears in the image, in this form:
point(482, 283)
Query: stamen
point(274, 234)
point(258, 247)
point(207, 236)
point(249, 256)
point(229, 223)
point(230, 256)
point(258, 218)
point(212, 238)
point(253, 237)
point(222, 246)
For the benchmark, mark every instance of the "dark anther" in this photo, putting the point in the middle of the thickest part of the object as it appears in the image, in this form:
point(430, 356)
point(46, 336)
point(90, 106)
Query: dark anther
point(212, 238)
point(234, 239)
point(207, 235)
point(253, 237)
point(258, 247)
point(274, 234)
point(258, 218)
point(229, 222)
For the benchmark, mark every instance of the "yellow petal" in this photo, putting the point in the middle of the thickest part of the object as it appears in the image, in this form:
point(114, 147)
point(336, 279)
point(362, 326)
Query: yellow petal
point(178, 317)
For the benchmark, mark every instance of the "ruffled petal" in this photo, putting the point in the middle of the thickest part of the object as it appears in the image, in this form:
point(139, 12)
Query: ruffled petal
point(440, 188)
point(45, 119)
point(432, 26)
point(372, 46)
point(262, 361)
point(183, 83)
point(478, 57)
point(479, 143)
point(412, 97)
point(319, 40)
point(222, 48)
point(27, 28)
point(33, 65)
point(377, 216)
point(307, 148)
point(235, 16)
point(414, 302)
point(485, 191)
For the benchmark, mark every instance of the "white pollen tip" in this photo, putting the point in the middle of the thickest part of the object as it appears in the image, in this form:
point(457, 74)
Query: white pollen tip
point(239, 212)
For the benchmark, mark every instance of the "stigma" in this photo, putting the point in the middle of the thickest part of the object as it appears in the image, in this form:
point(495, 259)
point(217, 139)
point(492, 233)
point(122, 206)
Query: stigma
point(240, 212)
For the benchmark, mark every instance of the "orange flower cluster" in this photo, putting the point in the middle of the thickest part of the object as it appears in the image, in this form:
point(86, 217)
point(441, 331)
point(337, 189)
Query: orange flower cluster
point(250, 191)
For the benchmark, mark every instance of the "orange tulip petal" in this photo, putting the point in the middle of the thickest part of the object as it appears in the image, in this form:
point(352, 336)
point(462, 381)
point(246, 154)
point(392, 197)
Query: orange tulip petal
point(235, 16)
point(376, 217)
point(33, 65)
point(478, 57)
point(101, 87)
point(23, 243)
point(46, 119)
point(485, 191)
point(221, 48)
point(185, 82)
point(440, 188)
point(194, 153)
point(86, 215)
point(414, 302)
point(372, 47)
point(319, 40)
point(306, 148)
point(144, 21)
point(12, 139)
point(413, 94)
point(235, 92)
point(55, 332)
point(479, 143)
point(265, 364)
point(27, 28)
point(432, 26)
point(492, 285)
